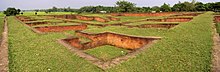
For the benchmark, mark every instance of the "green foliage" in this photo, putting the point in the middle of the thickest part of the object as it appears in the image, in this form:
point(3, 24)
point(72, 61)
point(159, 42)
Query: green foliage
point(185, 6)
point(146, 9)
point(96, 9)
point(125, 6)
point(1, 24)
point(12, 11)
point(209, 6)
point(155, 8)
point(55, 9)
point(177, 7)
point(165, 8)
point(217, 7)
point(199, 6)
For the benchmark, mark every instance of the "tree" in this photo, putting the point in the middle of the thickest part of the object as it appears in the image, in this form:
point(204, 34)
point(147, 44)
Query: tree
point(185, 6)
point(125, 6)
point(165, 8)
point(155, 8)
point(18, 11)
point(146, 9)
point(199, 6)
point(177, 7)
point(11, 11)
point(209, 6)
point(216, 7)
point(139, 9)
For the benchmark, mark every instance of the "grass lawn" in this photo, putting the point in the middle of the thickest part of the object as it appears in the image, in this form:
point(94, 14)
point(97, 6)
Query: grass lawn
point(218, 28)
point(1, 24)
point(107, 52)
point(186, 47)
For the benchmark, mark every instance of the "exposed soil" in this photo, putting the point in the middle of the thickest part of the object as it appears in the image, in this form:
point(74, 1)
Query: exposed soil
point(24, 18)
point(171, 20)
point(108, 38)
point(36, 23)
point(60, 28)
point(143, 14)
point(113, 18)
point(4, 49)
point(168, 26)
point(215, 51)
point(217, 18)
point(80, 17)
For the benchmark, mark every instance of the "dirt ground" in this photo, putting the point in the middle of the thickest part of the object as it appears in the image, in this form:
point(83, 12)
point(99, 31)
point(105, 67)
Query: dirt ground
point(4, 49)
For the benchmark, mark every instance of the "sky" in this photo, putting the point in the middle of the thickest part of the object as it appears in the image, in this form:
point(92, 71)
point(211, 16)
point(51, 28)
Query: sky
point(45, 4)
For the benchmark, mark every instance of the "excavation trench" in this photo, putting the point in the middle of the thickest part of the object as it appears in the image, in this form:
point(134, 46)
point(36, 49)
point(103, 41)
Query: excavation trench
point(217, 19)
point(24, 18)
point(60, 28)
point(85, 18)
point(171, 20)
point(108, 38)
point(167, 26)
point(143, 14)
point(35, 23)
point(42, 23)
point(188, 14)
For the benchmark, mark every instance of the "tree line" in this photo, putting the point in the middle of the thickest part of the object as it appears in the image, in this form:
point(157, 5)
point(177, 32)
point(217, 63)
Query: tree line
point(125, 6)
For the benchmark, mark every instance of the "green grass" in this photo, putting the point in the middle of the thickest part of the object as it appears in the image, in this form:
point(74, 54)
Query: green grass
point(84, 40)
point(107, 52)
point(186, 47)
point(218, 28)
point(29, 51)
point(1, 24)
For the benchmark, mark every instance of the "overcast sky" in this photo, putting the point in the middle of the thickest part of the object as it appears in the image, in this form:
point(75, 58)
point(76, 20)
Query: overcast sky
point(44, 4)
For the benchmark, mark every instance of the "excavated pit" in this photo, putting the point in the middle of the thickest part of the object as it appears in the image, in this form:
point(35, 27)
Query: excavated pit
point(80, 17)
point(217, 18)
point(24, 18)
point(134, 44)
point(167, 26)
point(171, 20)
point(35, 23)
point(143, 14)
point(113, 18)
point(60, 28)
point(108, 38)
point(188, 14)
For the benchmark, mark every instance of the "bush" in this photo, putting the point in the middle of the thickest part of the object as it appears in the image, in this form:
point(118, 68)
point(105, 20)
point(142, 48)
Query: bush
point(11, 11)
